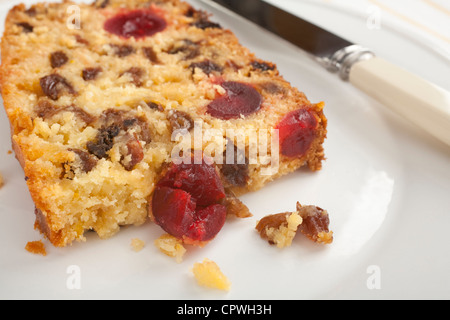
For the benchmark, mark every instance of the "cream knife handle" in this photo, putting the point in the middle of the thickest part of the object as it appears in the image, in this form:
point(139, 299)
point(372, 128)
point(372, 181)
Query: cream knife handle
point(423, 103)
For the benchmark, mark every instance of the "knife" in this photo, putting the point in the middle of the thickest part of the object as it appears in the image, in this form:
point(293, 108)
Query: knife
point(418, 100)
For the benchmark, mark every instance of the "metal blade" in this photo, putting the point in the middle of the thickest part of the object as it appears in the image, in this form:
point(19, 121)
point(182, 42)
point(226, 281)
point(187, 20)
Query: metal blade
point(333, 52)
point(302, 33)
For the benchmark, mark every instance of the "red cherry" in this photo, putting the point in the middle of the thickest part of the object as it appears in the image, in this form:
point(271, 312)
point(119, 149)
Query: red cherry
point(208, 222)
point(201, 181)
point(186, 202)
point(173, 210)
point(137, 23)
point(297, 132)
point(240, 99)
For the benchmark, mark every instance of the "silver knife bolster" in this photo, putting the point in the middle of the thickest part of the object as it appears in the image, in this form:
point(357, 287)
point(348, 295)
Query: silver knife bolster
point(342, 60)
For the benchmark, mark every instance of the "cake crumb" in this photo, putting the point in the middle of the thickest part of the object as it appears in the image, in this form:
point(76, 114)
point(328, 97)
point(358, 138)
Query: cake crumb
point(316, 223)
point(1, 181)
point(208, 274)
point(280, 229)
point(36, 247)
point(137, 244)
point(171, 246)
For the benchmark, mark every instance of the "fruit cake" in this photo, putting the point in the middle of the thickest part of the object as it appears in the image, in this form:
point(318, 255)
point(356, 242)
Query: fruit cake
point(127, 110)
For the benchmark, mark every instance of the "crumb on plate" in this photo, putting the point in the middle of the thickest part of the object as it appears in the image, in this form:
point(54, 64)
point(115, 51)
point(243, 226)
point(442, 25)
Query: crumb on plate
point(208, 274)
point(280, 229)
point(171, 246)
point(137, 244)
point(36, 247)
point(315, 224)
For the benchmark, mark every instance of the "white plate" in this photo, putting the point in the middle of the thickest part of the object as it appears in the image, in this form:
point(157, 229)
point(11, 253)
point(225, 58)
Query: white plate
point(385, 185)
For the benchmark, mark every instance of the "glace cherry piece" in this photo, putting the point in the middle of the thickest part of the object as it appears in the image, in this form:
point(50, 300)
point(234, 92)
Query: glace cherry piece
point(186, 202)
point(239, 99)
point(137, 23)
point(297, 132)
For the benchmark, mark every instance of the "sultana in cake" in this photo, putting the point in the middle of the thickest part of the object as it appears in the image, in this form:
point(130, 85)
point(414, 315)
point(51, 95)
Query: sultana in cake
point(125, 110)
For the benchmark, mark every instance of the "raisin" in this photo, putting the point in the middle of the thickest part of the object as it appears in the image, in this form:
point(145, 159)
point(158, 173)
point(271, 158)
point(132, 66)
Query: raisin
point(55, 85)
point(206, 66)
point(31, 12)
point(297, 131)
point(128, 123)
point(189, 48)
point(91, 73)
point(88, 162)
point(141, 128)
point(102, 3)
point(202, 21)
point(315, 224)
point(103, 142)
point(180, 120)
point(80, 113)
point(155, 106)
point(26, 27)
point(240, 100)
point(136, 23)
point(150, 54)
point(271, 221)
point(112, 123)
point(46, 110)
point(58, 59)
point(263, 66)
point(187, 202)
point(122, 50)
point(132, 154)
point(206, 24)
point(81, 40)
point(271, 88)
point(235, 166)
point(235, 207)
point(190, 12)
point(112, 117)
point(233, 65)
point(136, 75)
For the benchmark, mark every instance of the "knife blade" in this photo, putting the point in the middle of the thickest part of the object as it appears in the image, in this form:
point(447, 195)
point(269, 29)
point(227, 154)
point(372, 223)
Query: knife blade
point(418, 100)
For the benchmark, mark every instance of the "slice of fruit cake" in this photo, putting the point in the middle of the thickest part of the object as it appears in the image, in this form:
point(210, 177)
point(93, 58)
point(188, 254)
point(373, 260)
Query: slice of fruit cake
point(111, 101)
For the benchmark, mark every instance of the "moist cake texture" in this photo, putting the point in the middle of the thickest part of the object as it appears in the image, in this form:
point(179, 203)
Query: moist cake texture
point(100, 95)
